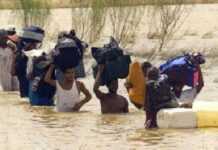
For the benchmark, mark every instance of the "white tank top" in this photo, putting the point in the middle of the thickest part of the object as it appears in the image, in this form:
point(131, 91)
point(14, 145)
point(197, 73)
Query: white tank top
point(66, 99)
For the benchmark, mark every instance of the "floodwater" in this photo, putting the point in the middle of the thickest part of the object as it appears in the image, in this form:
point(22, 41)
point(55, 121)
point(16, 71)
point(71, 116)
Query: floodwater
point(41, 128)
point(23, 127)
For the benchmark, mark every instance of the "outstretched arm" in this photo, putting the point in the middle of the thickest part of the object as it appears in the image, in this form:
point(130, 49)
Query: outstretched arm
point(48, 77)
point(97, 91)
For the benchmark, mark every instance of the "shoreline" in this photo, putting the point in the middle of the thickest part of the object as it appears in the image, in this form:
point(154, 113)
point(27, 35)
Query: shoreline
point(13, 4)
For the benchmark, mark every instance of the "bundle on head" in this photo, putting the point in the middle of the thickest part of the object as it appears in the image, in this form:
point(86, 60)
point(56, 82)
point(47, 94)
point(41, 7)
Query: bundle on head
point(116, 63)
point(5, 36)
point(32, 34)
point(67, 54)
point(198, 58)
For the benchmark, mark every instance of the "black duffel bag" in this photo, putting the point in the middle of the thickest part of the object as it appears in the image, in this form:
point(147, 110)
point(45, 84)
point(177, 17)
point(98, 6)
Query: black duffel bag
point(119, 68)
point(80, 70)
point(113, 70)
point(67, 54)
point(101, 55)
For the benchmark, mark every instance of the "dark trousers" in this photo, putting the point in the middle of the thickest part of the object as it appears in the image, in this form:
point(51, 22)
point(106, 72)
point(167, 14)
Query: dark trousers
point(151, 119)
point(23, 85)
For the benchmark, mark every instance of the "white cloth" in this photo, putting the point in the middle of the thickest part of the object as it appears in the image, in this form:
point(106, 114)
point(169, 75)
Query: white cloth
point(66, 99)
point(188, 96)
point(31, 35)
point(7, 81)
point(29, 69)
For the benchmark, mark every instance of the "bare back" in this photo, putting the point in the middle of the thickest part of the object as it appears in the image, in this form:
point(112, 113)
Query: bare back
point(113, 103)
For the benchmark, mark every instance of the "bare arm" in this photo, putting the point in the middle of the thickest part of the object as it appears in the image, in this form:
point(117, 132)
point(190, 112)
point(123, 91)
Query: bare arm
point(87, 94)
point(98, 93)
point(84, 90)
point(48, 76)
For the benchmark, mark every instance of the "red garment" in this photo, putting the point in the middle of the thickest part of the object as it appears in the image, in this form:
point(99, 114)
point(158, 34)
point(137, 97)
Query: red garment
point(200, 80)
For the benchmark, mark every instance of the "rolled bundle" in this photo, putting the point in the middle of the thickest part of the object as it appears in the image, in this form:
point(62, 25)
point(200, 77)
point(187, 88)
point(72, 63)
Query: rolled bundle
point(116, 63)
point(67, 54)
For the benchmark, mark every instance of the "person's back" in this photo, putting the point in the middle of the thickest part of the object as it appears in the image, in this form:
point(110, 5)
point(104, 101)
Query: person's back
point(110, 102)
point(113, 103)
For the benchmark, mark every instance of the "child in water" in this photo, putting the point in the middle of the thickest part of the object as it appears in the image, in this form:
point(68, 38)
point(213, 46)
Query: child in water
point(68, 90)
point(111, 102)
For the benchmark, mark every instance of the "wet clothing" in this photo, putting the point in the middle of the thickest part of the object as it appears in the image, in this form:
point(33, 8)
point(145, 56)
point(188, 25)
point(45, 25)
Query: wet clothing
point(23, 85)
point(67, 99)
point(20, 70)
point(31, 34)
point(159, 96)
point(40, 92)
point(182, 71)
point(37, 100)
point(7, 81)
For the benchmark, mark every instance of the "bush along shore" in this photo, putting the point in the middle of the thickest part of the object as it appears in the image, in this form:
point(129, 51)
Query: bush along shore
point(16, 4)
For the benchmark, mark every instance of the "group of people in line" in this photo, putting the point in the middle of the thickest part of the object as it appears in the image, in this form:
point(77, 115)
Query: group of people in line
point(164, 85)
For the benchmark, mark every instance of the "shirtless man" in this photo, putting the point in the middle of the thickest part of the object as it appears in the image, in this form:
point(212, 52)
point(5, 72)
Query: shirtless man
point(110, 102)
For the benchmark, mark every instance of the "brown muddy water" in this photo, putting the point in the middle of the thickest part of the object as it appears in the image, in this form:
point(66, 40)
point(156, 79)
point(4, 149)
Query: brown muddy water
point(23, 127)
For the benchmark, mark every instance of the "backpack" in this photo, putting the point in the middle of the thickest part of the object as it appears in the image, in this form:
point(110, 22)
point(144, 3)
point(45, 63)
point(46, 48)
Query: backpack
point(108, 52)
point(159, 92)
point(40, 67)
point(101, 55)
point(180, 70)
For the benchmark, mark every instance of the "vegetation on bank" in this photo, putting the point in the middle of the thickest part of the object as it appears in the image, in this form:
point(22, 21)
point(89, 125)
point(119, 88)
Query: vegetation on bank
point(164, 20)
point(12, 4)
